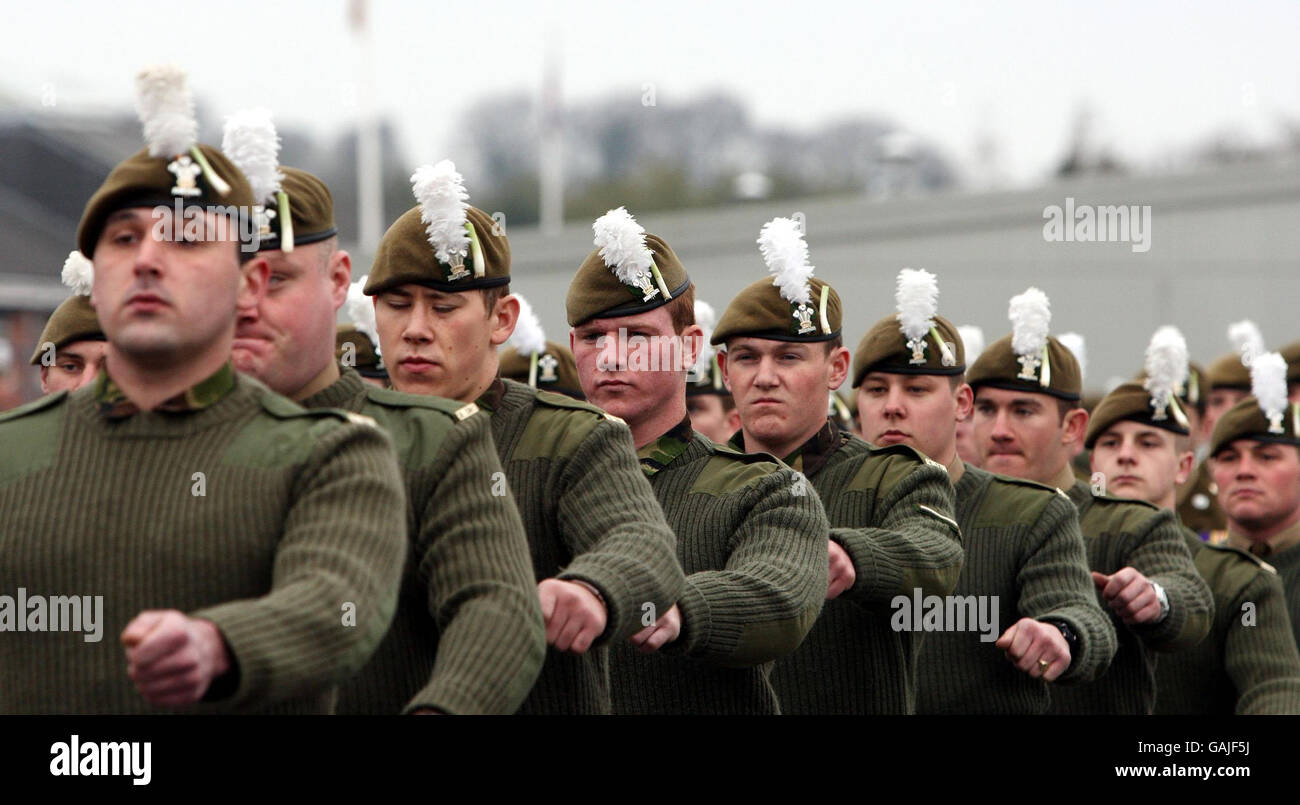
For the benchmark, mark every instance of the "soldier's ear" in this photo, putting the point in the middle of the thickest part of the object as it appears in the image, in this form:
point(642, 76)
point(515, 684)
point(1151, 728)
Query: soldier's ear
point(840, 362)
point(254, 278)
point(505, 315)
point(1076, 423)
point(965, 401)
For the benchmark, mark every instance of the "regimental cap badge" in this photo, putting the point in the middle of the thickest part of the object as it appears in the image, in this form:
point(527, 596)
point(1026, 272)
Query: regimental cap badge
point(250, 140)
point(917, 298)
point(166, 109)
point(781, 242)
point(1031, 315)
point(1166, 373)
point(444, 204)
point(620, 241)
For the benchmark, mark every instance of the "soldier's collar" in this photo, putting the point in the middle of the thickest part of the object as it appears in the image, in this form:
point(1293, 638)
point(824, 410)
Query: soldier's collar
point(338, 393)
point(655, 456)
point(1065, 479)
point(1275, 544)
point(812, 455)
point(491, 398)
point(115, 405)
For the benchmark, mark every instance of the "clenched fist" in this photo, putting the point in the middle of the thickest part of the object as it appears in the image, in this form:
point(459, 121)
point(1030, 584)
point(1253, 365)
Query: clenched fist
point(1129, 595)
point(574, 615)
point(173, 658)
point(1029, 644)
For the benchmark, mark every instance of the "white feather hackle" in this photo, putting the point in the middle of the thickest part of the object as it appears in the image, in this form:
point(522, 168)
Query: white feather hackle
point(1246, 339)
point(440, 191)
point(1031, 315)
point(786, 253)
point(707, 318)
point(972, 340)
point(1078, 346)
point(360, 309)
point(1268, 383)
point(250, 140)
point(78, 273)
point(166, 108)
point(1166, 364)
point(917, 297)
point(528, 337)
point(621, 241)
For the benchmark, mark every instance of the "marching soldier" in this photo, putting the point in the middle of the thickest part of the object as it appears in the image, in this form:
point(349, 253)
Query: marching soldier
point(1023, 547)
point(244, 551)
point(1255, 461)
point(890, 509)
point(712, 408)
point(1139, 436)
point(467, 637)
point(749, 537)
point(542, 364)
point(602, 552)
point(1229, 382)
point(1027, 418)
point(71, 348)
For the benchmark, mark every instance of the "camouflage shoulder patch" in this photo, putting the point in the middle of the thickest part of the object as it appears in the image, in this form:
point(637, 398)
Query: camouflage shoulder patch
point(48, 401)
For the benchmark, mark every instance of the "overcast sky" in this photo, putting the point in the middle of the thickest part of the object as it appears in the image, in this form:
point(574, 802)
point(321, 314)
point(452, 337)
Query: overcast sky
point(1159, 76)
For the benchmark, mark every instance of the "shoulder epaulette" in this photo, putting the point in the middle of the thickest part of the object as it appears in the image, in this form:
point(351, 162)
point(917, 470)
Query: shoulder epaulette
point(48, 401)
point(1243, 554)
point(1025, 482)
point(284, 408)
point(903, 450)
point(552, 399)
point(390, 398)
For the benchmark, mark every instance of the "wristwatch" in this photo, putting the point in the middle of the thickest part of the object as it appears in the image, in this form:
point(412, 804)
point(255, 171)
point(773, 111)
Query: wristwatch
point(1163, 598)
point(1071, 638)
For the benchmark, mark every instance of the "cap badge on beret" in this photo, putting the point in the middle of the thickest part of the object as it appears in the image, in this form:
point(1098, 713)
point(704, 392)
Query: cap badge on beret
point(621, 243)
point(1030, 315)
point(547, 363)
point(166, 108)
point(782, 244)
point(440, 190)
point(1166, 370)
point(917, 298)
point(250, 140)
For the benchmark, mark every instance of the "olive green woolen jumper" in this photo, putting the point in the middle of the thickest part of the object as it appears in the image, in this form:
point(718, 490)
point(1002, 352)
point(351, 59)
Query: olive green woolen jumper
point(297, 518)
point(468, 635)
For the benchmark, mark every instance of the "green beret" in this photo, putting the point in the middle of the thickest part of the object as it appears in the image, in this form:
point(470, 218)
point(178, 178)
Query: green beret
point(1291, 354)
point(999, 367)
point(884, 349)
point(760, 311)
point(73, 320)
point(553, 369)
point(597, 293)
point(405, 256)
point(1229, 372)
point(1131, 402)
point(364, 352)
point(311, 209)
point(1246, 420)
point(145, 181)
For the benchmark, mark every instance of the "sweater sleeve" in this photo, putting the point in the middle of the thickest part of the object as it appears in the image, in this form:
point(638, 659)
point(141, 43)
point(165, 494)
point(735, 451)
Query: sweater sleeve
point(474, 561)
point(341, 553)
point(1260, 656)
point(762, 604)
point(616, 530)
point(1055, 584)
point(1159, 553)
point(915, 541)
